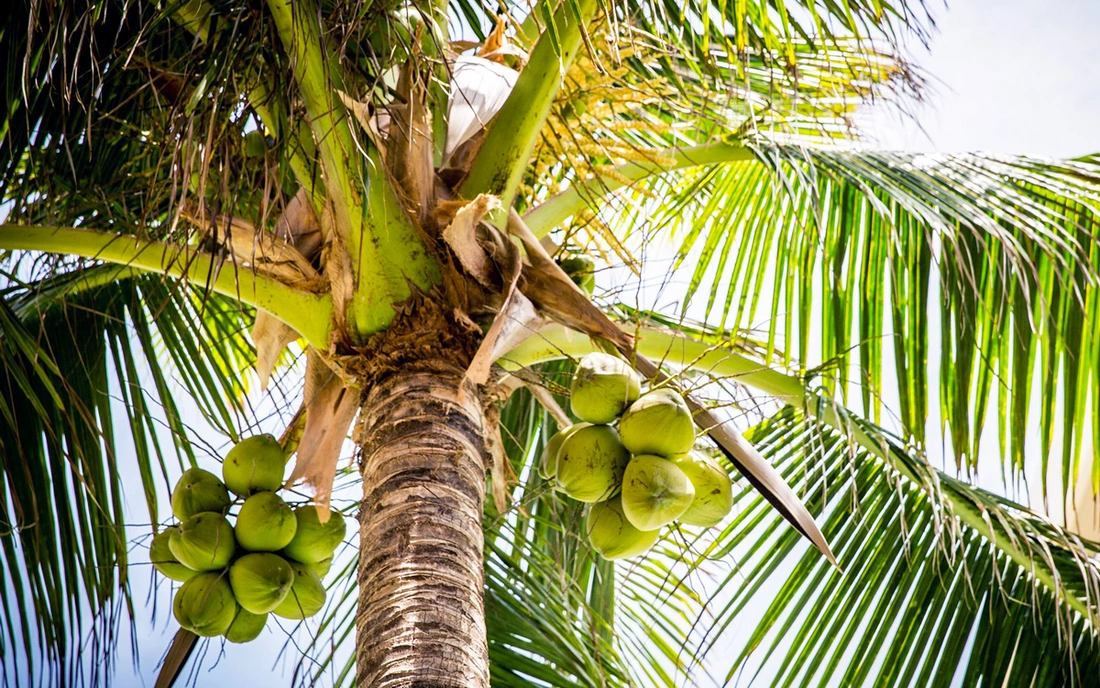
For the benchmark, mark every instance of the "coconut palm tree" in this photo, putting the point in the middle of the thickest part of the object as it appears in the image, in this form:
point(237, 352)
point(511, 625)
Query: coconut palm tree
point(203, 194)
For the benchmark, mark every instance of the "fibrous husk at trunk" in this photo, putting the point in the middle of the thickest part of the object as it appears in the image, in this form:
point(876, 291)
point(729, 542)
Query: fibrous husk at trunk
point(330, 407)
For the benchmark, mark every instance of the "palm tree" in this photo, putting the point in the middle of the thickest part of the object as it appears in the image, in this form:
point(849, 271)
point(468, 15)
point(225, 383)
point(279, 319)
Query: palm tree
point(191, 187)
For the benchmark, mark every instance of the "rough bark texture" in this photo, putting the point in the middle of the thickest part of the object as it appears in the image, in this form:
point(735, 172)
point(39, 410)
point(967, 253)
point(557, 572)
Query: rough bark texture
point(421, 619)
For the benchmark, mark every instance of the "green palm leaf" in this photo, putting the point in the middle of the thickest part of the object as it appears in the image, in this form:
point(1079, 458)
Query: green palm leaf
point(923, 596)
point(845, 253)
point(71, 345)
point(979, 564)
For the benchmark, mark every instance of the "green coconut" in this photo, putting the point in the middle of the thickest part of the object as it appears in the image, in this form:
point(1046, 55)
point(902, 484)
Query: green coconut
point(246, 627)
point(548, 464)
point(162, 559)
point(591, 462)
point(322, 567)
point(713, 490)
point(204, 542)
point(306, 597)
point(255, 464)
point(658, 423)
point(612, 535)
point(254, 144)
point(315, 541)
point(265, 523)
point(603, 386)
point(655, 492)
point(198, 491)
point(260, 581)
point(582, 270)
point(204, 605)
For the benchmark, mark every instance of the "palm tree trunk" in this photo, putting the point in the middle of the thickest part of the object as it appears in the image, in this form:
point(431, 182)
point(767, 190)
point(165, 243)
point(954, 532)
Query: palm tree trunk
point(421, 618)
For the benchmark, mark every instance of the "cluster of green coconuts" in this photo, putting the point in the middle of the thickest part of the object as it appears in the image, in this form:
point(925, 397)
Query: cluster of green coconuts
point(640, 477)
point(270, 561)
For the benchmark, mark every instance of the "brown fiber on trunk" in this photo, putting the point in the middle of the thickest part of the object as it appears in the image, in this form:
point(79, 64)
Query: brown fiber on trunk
point(421, 619)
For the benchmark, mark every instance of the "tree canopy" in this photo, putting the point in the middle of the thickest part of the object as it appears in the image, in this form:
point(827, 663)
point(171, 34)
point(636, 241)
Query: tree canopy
point(834, 298)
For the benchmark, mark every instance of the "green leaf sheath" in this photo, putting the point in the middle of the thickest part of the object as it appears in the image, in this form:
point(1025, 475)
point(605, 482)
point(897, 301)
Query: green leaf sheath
point(385, 250)
point(503, 157)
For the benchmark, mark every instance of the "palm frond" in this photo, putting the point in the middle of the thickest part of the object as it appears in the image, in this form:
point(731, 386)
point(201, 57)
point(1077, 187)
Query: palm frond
point(773, 28)
point(939, 577)
point(847, 256)
point(71, 344)
point(116, 117)
point(924, 597)
point(620, 116)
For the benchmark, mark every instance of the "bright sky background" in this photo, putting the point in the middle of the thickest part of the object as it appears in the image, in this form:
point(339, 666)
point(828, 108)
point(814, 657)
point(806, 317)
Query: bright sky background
point(1006, 77)
point(1009, 76)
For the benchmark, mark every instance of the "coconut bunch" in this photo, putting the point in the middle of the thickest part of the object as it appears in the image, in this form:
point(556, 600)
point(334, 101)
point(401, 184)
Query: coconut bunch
point(235, 571)
point(631, 458)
